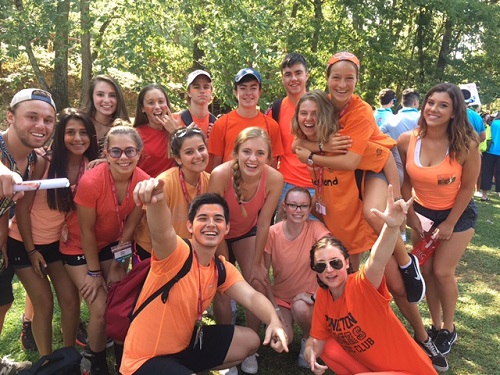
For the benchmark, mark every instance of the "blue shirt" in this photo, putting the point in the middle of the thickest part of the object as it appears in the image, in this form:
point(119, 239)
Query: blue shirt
point(476, 121)
point(495, 138)
point(405, 120)
point(382, 115)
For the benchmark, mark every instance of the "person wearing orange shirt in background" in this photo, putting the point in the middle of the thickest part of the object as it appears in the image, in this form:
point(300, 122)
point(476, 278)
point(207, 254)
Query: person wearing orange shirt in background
point(354, 329)
point(154, 122)
point(198, 96)
point(247, 89)
point(294, 76)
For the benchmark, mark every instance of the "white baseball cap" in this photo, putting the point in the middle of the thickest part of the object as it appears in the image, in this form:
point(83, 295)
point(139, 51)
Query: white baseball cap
point(193, 75)
point(32, 94)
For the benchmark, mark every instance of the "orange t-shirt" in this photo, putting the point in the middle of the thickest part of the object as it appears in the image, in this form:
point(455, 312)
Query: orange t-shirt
point(177, 204)
point(166, 328)
point(435, 187)
point(363, 323)
point(227, 128)
point(201, 122)
point(154, 158)
point(344, 211)
point(291, 261)
point(293, 170)
point(358, 122)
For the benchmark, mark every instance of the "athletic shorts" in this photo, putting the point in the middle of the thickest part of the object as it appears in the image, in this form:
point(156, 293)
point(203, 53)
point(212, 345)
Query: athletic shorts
point(78, 260)
point(216, 342)
point(251, 233)
point(141, 252)
point(6, 276)
point(466, 221)
point(19, 258)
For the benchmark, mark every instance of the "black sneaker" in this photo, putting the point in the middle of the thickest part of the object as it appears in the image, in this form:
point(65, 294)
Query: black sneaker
point(445, 339)
point(432, 332)
point(81, 335)
point(413, 281)
point(27, 339)
point(438, 360)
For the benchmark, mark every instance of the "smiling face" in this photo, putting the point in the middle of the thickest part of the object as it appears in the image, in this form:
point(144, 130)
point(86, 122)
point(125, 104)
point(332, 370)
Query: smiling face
point(334, 279)
point(155, 106)
point(32, 122)
point(248, 94)
point(297, 206)
point(342, 80)
point(193, 154)
point(200, 91)
point(307, 119)
point(124, 165)
point(209, 225)
point(252, 156)
point(105, 99)
point(438, 110)
point(294, 79)
point(76, 138)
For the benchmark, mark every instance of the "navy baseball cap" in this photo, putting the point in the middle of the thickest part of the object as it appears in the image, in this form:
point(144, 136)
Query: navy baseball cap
point(245, 72)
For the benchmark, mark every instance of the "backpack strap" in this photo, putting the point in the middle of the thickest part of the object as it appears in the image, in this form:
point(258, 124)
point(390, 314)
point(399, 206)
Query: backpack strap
point(165, 289)
point(221, 270)
point(186, 117)
point(276, 108)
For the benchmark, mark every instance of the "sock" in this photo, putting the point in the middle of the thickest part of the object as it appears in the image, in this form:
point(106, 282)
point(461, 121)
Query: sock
point(98, 360)
point(406, 265)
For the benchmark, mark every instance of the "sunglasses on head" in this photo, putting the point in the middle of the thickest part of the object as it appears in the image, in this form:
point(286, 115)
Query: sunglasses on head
point(336, 264)
point(184, 131)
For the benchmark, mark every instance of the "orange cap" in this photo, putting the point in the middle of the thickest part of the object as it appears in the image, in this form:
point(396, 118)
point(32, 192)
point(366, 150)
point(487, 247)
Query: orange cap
point(340, 56)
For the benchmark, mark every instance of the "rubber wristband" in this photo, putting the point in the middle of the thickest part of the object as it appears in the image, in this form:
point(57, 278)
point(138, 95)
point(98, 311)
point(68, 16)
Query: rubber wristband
point(96, 274)
point(30, 253)
point(96, 271)
point(313, 298)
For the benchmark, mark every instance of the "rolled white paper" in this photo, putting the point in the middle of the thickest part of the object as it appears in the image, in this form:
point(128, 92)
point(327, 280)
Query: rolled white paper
point(51, 183)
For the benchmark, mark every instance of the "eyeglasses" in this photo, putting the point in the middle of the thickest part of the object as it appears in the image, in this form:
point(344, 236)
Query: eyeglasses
point(301, 207)
point(116, 152)
point(336, 264)
point(181, 133)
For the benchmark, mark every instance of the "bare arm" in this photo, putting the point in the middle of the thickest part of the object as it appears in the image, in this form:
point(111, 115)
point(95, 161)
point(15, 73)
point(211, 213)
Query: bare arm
point(218, 180)
point(470, 171)
point(163, 237)
point(261, 307)
point(393, 216)
point(345, 162)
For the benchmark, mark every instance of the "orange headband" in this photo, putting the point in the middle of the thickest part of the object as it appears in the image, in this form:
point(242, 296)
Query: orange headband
point(340, 56)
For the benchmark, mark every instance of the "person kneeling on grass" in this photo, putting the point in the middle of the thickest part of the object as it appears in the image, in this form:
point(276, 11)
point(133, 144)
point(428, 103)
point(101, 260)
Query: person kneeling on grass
point(168, 338)
point(354, 329)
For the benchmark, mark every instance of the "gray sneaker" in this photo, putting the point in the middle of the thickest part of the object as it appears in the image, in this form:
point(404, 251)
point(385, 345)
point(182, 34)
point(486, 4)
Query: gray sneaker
point(301, 361)
point(438, 360)
point(9, 367)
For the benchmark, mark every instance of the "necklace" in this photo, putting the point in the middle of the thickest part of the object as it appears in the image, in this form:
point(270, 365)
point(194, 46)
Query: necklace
point(102, 124)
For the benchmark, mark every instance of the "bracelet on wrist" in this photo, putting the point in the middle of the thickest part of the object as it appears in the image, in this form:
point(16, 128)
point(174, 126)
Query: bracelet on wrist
point(277, 309)
point(313, 298)
point(94, 274)
point(30, 253)
point(96, 271)
point(320, 146)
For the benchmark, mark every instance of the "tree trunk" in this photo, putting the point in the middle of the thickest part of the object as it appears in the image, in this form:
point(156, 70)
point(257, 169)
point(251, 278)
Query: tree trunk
point(85, 46)
point(31, 56)
point(445, 49)
point(318, 19)
point(61, 47)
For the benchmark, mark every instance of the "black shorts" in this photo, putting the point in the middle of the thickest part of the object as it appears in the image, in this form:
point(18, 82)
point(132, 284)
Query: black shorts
point(251, 233)
point(19, 258)
point(216, 342)
point(141, 252)
point(466, 221)
point(78, 260)
point(6, 276)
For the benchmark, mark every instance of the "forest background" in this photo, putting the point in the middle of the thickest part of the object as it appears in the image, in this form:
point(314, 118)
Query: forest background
point(59, 45)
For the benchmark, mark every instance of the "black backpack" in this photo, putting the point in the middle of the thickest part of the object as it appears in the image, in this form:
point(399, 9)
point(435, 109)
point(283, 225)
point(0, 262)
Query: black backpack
point(64, 361)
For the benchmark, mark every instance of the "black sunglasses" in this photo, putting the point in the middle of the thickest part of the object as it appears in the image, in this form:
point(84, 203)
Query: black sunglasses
point(336, 264)
point(116, 152)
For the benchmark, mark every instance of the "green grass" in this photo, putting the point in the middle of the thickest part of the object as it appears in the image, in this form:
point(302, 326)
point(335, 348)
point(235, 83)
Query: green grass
point(477, 317)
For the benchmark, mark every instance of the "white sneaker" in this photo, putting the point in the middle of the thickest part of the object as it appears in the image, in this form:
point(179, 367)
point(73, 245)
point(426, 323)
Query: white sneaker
point(9, 367)
point(250, 365)
point(301, 361)
point(229, 371)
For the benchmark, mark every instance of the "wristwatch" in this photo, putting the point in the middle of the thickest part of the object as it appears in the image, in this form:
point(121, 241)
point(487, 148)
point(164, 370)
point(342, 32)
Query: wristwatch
point(310, 159)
